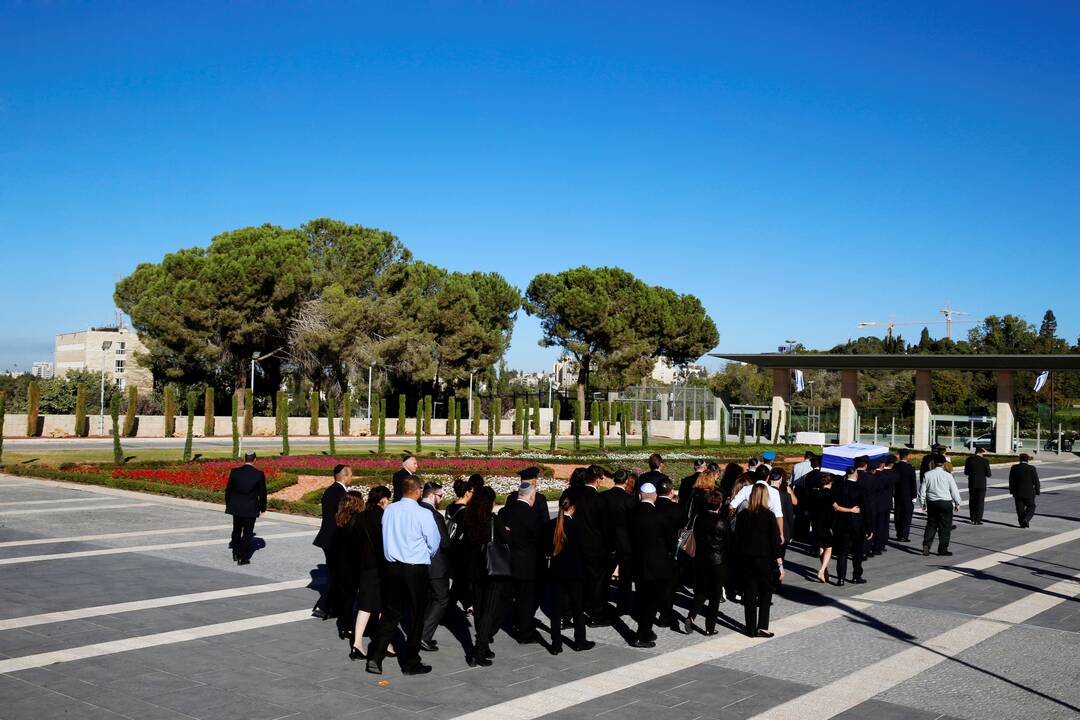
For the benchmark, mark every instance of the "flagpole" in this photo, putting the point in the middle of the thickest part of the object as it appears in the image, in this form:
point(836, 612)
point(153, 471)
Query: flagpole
point(1052, 426)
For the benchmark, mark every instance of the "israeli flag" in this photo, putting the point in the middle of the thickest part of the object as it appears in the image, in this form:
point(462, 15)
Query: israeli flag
point(1041, 380)
point(800, 384)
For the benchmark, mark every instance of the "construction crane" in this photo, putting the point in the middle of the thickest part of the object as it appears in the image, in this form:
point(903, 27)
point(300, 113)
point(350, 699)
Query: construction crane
point(948, 313)
point(891, 324)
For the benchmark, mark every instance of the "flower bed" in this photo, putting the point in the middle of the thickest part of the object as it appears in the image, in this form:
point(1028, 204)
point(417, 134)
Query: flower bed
point(207, 476)
point(324, 464)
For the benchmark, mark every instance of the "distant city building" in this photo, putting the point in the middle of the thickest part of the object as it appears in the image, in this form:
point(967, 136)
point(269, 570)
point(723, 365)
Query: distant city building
point(85, 350)
point(532, 379)
point(564, 372)
point(42, 369)
point(668, 374)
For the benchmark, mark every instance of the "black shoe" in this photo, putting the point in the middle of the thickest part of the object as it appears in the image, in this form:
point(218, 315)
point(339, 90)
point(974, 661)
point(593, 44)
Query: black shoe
point(714, 631)
point(555, 650)
point(676, 628)
point(318, 612)
point(926, 550)
point(582, 646)
point(489, 654)
point(840, 582)
point(236, 556)
point(416, 669)
point(638, 643)
point(944, 552)
point(688, 625)
point(375, 668)
point(429, 646)
point(651, 637)
point(766, 633)
point(355, 654)
point(529, 638)
point(478, 658)
point(859, 581)
point(344, 634)
point(243, 561)
point(597, 623)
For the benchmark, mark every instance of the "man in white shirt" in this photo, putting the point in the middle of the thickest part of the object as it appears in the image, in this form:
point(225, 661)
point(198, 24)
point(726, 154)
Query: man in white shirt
point(743, 496)
point(938, 496)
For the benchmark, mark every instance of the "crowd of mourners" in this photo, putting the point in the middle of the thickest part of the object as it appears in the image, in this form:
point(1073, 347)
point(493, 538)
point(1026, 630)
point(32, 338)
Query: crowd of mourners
point(400, 563)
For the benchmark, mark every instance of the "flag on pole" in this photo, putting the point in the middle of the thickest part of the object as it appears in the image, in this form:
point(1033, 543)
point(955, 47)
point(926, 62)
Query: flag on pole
point(800, 384)
point(1041, 380)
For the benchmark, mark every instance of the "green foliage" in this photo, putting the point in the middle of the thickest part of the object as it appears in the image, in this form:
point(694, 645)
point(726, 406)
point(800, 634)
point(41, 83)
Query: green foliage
point(451, 408)
point(419, 423)
point(279, 416)
point(400, 415)
point(577, 424)
point(170, 410)
point(519, 415)
point(553, 441)
point(536, 414)
point(283, 404)
point(742, 429)
point(594, 416)
point(382, 425)
point(701, 426)
point(131, 413)
point(33, 405)
point(346, 413)
point(474, 416)
point(492, 425)
point(330, 409)
point(686, 429)
point(249, 412)
point(624, 422)
point(235, 424)
point(192, 399)
point(57, 395)
point(209, 422)
point(313, 423)
point(82, 427)
point(497, 415)
point(601, 424)
point(427, 414)
point(525, 426)
point(114, 411)
point(645, 427)
point(457, 429)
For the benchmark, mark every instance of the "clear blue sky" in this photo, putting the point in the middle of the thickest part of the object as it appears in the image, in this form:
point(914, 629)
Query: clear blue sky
point(799, 166)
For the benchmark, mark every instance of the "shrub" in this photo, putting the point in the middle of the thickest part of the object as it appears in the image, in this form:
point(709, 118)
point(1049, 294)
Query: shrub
point(400, 415)
point(82, 427)
point(525, 429)
point(577, 425)
point(313, 428)
point(536, 414)
point(131, 413)
point(170, 410)
point(117, 450)
point(701, 426)
point(553, 442)
point(491, 428)
point(645, 428)
point(496, 415)
point(382, 425)
point(601, 424)
point(283, 405)
point(686, 428)
point(742, 429)
point(249, 412)
point(519, 416)
point(457, 428)
point(474, 416)
point(209, 422)
point(33, 407)
point(192, 398)
point(330, 423)
point(236, 424)
point(346, 413)
point(419, 422)
point(451, 407)
point(427, 414)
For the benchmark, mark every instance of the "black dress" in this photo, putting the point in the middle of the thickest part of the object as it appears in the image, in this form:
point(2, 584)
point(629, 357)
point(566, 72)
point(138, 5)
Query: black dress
point(370, 559)
point(822, 516)
point(710, 534)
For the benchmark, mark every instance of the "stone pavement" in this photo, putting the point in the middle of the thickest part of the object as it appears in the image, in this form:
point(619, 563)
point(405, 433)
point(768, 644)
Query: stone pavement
point(115, 605)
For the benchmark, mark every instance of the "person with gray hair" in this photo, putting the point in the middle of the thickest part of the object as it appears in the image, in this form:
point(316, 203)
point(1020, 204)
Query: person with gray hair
point(525, 526)
point(654, 555)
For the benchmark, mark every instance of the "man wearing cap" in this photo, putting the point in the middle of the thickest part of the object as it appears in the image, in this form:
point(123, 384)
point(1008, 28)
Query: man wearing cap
point(245, 499)
point(1024, 487)
point(331, 498)
point(977, 469)
point(939, 497)
point(767, 459)
point(409, 466)
point(650, 531)
point(525, 528)
point(904, 491)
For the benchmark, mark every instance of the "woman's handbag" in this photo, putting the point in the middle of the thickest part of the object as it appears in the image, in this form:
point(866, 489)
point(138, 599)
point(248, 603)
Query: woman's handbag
point(687, 542)
point(496, 556)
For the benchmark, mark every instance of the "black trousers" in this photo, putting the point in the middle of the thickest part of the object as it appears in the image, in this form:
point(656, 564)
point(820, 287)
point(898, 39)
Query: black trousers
point(567, 595)
point(902, 517)
point(438, 601)
point(597, 580)
point(325, 601)
point(404, 594)
point(243, 530)
point(976, 503)
point(625, 586)
point(938, 522)
point(524, 605)
point(1025, 510)
point(708, 589)
point(489, 610)
point(649, 596)
point(881, 530)
point(758, 576)
point(666, 603)
point(848, 542)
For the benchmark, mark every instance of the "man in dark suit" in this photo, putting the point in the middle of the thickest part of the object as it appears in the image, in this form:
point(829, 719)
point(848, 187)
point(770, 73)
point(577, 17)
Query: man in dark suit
point(905, 488)
point(886, 481)
point(672, 514)
point(245, 499)
point(1024, 487)
point(655, 473)
point(590, 511)
point(619, 503)
point(438, 572)
point(868, 483)
point(852, 526)
point(331, 497)
point(531, 475)
point(686, 487)
point(650, 531)
point(927, 463)
point(525, 542)
point(409, 466)
point(977, 469)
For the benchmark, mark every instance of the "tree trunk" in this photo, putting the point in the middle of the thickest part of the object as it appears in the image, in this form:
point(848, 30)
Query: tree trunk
point(583, 380)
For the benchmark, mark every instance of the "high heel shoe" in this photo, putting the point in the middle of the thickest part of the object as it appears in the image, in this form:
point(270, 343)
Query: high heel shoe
point(356, 654)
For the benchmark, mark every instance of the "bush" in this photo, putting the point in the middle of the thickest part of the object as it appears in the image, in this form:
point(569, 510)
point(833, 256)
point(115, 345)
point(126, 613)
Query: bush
point(496, 415)
point(427, 414)
point(382, 425)
point(525, 429)
point(170, 410)
point(457, 428)
point(330, 423)
point(400, 415)
point(313, 428)
point(536, 414)
point(346, 413)
point(419, 422)
point(474, 416)
point(82, 427)
point(3, 409)
point(192, 398)
point(645, 428)
point(284, 405)
point(624, 422)
point(209, 423)
point(33, 406)
point(451, 409)
point(117, 450)
point(491, 428)
point(701, 426)
point(236, 424)
point(601, 424)
point(577, 425)
point(519, 416)
point(553, 442)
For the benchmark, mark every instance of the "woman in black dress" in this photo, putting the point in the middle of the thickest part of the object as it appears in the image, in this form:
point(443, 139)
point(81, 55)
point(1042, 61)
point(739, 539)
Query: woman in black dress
point(567, 573)
point(482, 526)
point(710, 534)
point(367, 559)
point(343, 555)
point(822, 517)
point(757, 539)
point(460, 590)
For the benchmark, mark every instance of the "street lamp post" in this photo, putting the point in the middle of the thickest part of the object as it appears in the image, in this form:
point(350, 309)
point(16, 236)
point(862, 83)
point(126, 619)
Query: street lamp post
point(254, 359)
point(470, 392)
point(370, 368)
point(101, 412)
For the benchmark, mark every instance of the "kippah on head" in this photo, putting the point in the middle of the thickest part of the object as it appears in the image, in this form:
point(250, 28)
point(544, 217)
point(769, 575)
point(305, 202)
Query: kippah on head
point(768, 456)
point(938, 459)
point(647, 489)
point(249, 457)
point(338, 469)
point(529, 473)
point(980, 449)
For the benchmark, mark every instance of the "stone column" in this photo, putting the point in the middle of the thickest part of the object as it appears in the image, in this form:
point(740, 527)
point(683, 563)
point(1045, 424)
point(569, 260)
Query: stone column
point(849, 390)
point(1003, 433)
point(921, 439)
point(781, 391)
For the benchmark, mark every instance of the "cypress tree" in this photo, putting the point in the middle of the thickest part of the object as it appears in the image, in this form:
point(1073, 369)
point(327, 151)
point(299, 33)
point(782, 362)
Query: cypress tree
point(497, 414)
point(313, 427)
point(346, 414)
point(249, 412)
point(283, 403)
point(132, 409)
point(330, 423)
point(234, 412)
point(114, 410)
point(577, 425)
point(474, 416)
point(555, 410)
point(419, 422)
point(594, 415)
point(701, 426)
point(457, 429)
point(525, 429)
point(427, 414)
point(192, 399)
point(33, 407)
point(491, 430)
point(82, 427)
point(400, 415)
point(686, 428)
point(645, 428)
point(279, 413)
point(209, 425)
point(451, 408)
point(624, 422)
point(519, 415)
point(170, 410)
point(3, 409)
point(602, 425)
point(382, 425)
point(722, 424)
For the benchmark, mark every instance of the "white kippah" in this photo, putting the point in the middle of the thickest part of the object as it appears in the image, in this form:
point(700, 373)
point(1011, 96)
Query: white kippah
point(647, 489)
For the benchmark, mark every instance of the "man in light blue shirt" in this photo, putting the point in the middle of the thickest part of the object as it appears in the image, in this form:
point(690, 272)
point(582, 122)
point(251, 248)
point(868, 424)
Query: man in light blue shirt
point(410, 539)
point(938, 496)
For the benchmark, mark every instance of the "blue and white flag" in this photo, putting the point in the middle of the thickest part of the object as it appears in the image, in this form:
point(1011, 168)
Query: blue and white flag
point(800, 384)
point(1041, 380)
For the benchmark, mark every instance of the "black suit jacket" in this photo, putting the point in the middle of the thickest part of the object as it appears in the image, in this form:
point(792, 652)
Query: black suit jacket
point(540, 505)
point(440, 563)
point(906, 488)
point(848, 494)
point(525, 530)
point(673, 516)
point(331, 498)
point(1024, 481)
point(570, 563)
point(654, 551)
point(977, 470)
point(618, 504)
point(398, 478)
point(245, 492)
point(686, 492)
point(757, 535)
point(590, 513)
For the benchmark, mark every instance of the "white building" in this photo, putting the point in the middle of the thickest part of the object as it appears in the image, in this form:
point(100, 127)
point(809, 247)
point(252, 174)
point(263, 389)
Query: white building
point(104, 349)
point(564, 372)
point(664, 372)
point(42, 369)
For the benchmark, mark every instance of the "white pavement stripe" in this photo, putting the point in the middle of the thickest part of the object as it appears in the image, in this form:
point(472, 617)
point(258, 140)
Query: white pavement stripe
point(160, 602)
point(137, 548)
point(868, 682)
point(50, 502)
point(148, 641)
point(39, 510)
point(649, 668)
point(118, 535)
point(937, 577)
point(542, 703)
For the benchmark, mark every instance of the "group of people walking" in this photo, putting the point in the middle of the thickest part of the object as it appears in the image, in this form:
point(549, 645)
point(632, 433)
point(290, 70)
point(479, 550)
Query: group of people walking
point(395, 559)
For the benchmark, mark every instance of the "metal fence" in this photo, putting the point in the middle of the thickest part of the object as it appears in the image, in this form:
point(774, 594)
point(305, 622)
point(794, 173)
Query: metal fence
point(676, 402)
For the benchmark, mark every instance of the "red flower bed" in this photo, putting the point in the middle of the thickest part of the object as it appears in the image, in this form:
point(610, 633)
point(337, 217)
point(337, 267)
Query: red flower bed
point(199, 475)
point(494, 466)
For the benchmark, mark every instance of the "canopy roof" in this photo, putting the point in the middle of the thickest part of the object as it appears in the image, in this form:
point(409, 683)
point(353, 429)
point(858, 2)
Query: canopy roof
point(825, 361)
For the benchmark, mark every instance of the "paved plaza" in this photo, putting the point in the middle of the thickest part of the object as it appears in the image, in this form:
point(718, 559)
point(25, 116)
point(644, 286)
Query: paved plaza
point(119, 605)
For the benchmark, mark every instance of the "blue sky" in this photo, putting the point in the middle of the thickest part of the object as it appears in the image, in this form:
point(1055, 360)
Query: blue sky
point(800, 167)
